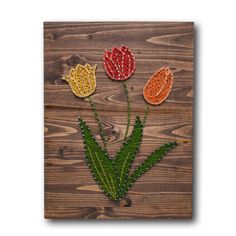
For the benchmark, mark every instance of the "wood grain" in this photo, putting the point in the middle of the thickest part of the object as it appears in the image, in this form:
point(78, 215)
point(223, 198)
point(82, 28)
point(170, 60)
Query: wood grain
point(166, 190)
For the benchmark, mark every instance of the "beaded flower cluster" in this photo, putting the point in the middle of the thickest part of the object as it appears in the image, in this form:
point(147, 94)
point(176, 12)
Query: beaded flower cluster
point(113, 174)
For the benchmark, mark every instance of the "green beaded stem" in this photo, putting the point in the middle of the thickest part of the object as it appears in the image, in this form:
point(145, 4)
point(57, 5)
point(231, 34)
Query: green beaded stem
point(100, 127)
point(128, 108)
point(145, 114)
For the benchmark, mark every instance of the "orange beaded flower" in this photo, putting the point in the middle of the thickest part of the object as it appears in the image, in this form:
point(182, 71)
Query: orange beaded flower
point(158, 87)
point(82, 80)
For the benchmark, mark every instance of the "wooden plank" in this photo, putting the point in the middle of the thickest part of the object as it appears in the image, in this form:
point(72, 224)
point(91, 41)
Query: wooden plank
point(166, 190)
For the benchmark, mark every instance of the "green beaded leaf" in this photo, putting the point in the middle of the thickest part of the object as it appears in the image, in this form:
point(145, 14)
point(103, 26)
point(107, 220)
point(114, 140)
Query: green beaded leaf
point(126, 155)
point(155, 157)
point(100, 165)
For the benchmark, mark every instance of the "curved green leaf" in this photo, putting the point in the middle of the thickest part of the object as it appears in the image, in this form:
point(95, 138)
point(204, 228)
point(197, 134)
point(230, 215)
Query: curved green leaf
point(155, 157)
point(100, 165)
point(124, 158)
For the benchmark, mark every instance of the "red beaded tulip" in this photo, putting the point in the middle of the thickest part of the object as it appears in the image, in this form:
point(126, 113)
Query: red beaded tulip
point(119, 64)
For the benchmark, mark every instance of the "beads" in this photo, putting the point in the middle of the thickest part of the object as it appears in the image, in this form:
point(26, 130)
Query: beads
point(82, 80)
point(119, 64)
point(113, 175)
point(158, 87)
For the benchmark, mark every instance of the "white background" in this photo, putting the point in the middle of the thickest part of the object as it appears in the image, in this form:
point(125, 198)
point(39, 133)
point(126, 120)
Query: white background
point(21, 118)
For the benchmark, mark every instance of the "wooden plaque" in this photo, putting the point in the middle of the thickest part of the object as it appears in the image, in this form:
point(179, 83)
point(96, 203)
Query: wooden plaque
point(165, 191)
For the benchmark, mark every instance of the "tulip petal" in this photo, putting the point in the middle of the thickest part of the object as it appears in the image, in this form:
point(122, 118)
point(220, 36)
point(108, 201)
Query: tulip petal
point(111, 69)
point(117, 58)
point(161, 97)
point(108, 54)
point(128, 62)
point(123, 48)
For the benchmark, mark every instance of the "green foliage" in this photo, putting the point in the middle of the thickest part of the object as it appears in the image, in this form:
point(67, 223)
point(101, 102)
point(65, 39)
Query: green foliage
point(125, 156)
point(101, 166)
point(155, 157)
point(113, 176)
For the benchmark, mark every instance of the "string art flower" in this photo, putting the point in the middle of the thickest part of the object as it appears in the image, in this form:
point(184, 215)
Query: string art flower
point(158, 87)
point(82, 80)
point(119, 64)
point(113, 174)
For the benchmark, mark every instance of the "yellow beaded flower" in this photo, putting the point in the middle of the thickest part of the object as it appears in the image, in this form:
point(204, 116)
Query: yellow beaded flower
point(82, 80)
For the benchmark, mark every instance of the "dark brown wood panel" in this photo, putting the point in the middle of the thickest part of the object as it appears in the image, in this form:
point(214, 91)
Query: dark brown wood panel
point(166, 190)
